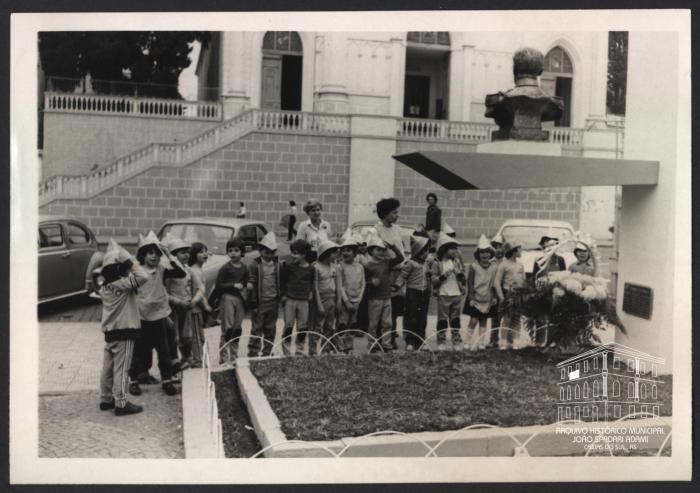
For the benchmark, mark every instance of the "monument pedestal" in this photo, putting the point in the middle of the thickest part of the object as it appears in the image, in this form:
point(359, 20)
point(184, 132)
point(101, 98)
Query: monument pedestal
point(526, 147)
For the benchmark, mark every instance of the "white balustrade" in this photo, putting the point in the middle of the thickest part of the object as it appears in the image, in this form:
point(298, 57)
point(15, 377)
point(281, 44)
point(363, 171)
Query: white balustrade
point(133, 106)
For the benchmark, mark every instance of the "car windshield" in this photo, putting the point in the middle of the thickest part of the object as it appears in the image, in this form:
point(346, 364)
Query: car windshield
point(214, 237)
point(529, 236)
point(364, 230)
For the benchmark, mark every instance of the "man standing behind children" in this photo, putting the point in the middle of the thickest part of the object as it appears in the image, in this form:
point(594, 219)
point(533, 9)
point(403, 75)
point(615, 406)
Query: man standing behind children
point(297, 284)
point(352, 287)
point(121, 325)
point(378, 277)
point(449, 279)
point(265, 296)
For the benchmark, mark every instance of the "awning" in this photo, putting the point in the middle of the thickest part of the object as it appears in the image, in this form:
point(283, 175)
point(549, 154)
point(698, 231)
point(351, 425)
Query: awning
point(468, 171)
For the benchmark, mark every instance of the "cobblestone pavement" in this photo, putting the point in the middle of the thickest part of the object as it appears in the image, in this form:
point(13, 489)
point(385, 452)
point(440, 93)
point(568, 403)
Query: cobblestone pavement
point(70, 423)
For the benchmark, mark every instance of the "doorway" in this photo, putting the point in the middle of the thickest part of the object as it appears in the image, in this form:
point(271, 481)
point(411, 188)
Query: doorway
point(281, 71)
point(426, 83)
point(557, 80)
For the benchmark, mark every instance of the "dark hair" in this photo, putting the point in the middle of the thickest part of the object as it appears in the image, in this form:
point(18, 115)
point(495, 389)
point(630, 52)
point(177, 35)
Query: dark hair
point(327, 253)
point(300, 247)
point(478, 251)
point(111, 273)
point(241, 203)
point(385, 206)
point(195, 249)
point(141, 253)
point(511, 252)
point(431, 194)
point(236, 243)
point(292, 203)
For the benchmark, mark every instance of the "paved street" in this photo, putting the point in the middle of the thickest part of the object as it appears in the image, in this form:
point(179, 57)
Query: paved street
point(70, 423)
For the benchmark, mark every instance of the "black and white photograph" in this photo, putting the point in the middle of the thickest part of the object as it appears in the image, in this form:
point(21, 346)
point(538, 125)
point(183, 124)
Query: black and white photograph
point(295, 246)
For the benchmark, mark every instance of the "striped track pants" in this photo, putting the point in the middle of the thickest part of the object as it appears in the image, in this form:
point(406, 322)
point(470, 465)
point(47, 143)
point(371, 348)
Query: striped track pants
point(114, 380)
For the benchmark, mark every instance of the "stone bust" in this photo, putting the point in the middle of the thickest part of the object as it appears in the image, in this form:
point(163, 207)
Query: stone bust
point(520, 111)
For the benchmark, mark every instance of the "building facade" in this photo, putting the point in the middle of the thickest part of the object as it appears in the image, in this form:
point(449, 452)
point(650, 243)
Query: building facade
point(608, 383)
point(291, 104)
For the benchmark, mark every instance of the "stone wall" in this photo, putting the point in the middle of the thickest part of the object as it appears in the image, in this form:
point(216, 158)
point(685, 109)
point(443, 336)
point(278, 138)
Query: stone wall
point(473, 212)
point(264, 170)
point(75, 142)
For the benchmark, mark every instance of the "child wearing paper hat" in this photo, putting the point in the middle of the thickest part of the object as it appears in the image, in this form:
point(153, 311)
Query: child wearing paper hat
point(415, 274)
point(351, 284)
point(325, 292)
point(121, 325)
point(582, 264)
point(481, 299)
point(448, 278)
point(154, 309)
point(265, 295)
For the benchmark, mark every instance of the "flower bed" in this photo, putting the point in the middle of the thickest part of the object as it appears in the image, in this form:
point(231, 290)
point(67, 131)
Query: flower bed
point(333, 397)
point(238, 435)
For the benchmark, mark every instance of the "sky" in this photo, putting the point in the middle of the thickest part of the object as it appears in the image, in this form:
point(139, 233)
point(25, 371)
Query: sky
point(188, 79)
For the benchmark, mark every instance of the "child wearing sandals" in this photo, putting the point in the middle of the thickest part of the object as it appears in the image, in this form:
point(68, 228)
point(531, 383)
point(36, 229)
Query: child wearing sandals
point(481, 299)
point(199, 305)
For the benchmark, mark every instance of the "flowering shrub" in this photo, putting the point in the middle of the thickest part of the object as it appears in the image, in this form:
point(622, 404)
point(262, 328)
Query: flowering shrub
point(571, 304)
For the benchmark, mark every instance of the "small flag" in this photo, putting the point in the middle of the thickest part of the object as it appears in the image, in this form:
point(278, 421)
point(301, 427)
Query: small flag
point(574, 375)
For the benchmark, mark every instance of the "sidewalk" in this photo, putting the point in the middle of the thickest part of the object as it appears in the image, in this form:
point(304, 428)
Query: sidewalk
point(70, 423)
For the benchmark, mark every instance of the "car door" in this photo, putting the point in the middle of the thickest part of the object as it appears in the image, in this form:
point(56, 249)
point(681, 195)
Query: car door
point(54, 261)
point(81, 248)
point(248, 234)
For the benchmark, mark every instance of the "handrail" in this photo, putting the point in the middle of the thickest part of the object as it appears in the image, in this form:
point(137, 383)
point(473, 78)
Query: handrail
point(132, 106)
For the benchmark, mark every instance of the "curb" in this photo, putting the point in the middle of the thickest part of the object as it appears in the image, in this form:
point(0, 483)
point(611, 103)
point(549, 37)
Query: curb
point(478, 442)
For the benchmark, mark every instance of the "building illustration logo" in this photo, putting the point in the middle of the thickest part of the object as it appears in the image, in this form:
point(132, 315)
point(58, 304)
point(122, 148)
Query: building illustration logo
point(609, 382)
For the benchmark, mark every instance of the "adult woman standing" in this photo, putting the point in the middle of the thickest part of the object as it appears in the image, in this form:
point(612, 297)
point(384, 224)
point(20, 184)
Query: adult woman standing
point(315, 229)
point(433, 216)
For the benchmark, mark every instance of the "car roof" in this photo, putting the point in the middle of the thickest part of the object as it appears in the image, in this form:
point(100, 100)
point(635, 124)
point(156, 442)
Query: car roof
point(233, 222)
point(58, 217)
point(368, 223)
point(537, 222)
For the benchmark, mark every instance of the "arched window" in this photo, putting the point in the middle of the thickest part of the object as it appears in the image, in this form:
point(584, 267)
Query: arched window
point(281, 71)
point(654, 393)
point(630, 389)
point(616, 389)
point(429, 38)
point(643, 391)
point(568, 393)
point(595, 388)
point(585, 390)
point(577, 392)
point(557, 80)
point(561, 393)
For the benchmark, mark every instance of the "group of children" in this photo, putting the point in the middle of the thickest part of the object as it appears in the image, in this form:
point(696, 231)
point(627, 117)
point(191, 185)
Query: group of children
point(159, 301)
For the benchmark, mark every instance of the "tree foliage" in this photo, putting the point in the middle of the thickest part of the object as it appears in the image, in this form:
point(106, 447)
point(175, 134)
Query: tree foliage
point(617, 72)
point(147, 63)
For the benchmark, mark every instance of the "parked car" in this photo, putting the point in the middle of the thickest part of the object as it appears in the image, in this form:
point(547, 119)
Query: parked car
point(68, 253)
point(215, 232)
point(528, 233)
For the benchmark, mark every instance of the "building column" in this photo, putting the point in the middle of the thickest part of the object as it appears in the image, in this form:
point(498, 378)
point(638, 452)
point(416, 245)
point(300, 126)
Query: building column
point(234, 96)
point(597, 109)
point(398, 77)
point(467, 75)
point(372, 143)
point(333, 94)
point(454, 85)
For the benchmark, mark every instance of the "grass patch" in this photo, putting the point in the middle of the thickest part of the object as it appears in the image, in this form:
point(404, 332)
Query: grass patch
point(239, 438)
point(339, 396)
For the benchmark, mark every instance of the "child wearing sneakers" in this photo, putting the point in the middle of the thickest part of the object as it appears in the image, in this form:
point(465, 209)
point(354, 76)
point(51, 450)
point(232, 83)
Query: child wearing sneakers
point(181, 290)
point(265, 294)
point(297, 283)
point(121, 325)
point(378, 277)
point(449, 280)
point(232, 288)
point(325, 292)
point(416, 276)
point(481, 300)
point(200, 307)
point(154, 309)
point(352, 288)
